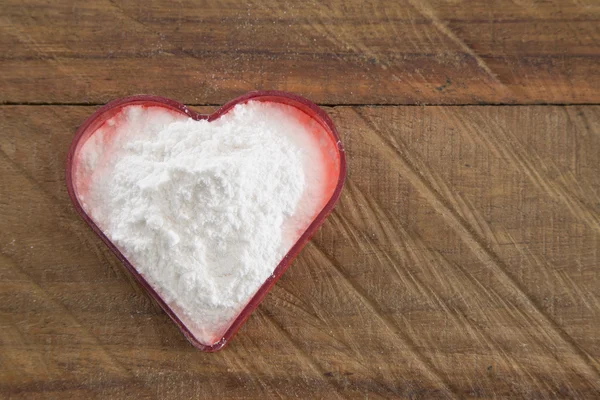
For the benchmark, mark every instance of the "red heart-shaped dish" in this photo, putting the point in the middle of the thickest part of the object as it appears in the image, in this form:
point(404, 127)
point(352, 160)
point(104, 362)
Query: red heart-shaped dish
point(336, 171)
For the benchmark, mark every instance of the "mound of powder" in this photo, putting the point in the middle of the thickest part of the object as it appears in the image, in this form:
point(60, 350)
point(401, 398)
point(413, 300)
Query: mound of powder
point(205, 211)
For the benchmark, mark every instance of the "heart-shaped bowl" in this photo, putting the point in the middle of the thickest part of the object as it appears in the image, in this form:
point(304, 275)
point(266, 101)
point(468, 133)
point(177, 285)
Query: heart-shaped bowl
point(336, 168)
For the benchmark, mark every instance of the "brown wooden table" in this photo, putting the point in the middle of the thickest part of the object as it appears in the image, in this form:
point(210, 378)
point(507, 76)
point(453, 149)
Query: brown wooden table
point(462, 261)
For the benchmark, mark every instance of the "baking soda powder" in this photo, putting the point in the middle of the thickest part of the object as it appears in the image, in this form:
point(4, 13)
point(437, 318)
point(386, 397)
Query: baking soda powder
point(205, 211)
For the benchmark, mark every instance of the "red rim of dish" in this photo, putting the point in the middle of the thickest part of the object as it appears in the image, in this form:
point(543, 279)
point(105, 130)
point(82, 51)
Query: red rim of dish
point(304, 105)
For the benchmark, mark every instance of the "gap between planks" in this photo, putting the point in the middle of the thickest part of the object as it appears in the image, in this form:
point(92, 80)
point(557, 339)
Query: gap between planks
point(95, 104)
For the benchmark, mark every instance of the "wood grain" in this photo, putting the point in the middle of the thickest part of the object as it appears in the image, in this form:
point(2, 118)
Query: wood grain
point(461, 262)
point(334, 52)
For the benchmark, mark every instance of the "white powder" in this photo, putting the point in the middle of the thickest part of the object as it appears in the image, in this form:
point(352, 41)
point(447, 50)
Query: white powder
point(204, 211)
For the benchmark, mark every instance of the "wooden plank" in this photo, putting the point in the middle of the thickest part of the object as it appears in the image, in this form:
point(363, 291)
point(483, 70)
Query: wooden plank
point(339, 52)
point(462, 261)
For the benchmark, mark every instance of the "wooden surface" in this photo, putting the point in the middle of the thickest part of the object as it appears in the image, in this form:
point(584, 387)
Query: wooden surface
point(334, 52)
point(461, 262)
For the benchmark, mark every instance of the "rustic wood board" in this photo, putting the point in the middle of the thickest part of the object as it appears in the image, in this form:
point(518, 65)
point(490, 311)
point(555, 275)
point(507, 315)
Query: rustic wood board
point(334, 52)
point(462, 261)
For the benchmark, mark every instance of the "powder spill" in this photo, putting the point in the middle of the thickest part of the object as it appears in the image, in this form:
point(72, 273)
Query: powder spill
point(205, 211)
